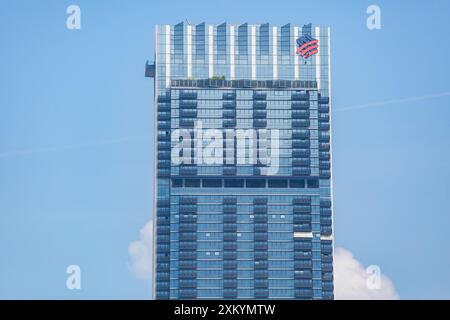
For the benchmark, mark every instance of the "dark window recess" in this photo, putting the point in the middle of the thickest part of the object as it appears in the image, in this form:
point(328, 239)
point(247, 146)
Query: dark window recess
point(229, 200)
point(229, 96)
point(278, 183)
point(313, 183)
point(297, 183)
point(177, 183)
point(234, 183)
point(260, 201)
point(256, 183)
point(212, 183)
point(192, 183)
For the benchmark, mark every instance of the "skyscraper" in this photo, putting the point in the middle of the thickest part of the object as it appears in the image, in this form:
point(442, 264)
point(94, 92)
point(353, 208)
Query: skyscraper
point(243, 190)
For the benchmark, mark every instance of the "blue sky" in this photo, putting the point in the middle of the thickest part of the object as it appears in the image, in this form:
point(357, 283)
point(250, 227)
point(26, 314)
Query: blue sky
point(76, 124)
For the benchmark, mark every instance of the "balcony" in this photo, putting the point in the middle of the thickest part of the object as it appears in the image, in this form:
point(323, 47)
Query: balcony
point(261, 237)
point(261, 284)
point(304, 227)
point(230, 293)
point(326, 174)
point(324, 117)
point(324, 126)
point(324, 100)
point(187, 209)
point(261, 245)
point(229, 246)
point(260, 219)
point(260, 201)
point(259, 123)
point(301, 153)
point(229, 208)
point(302, 255)
point(302, 245)
point(229, 114)
point(324, 108)
point(187, 236)
point(303, 283)
point(230, 264)
point(303, 274)
point(188, 113)
point(229, 96)
point(259, 114)
point(300, 114)
point(324, 156)
point(300, 105)
point(259, 105)
point(163, 125)
point(300, 123)
point(229, 123)
point(229, 200)
point(187, 255)
point(187, 293)
point(259, 210)
point(261, 255)
point(324, 146)
point(186, 123)
point(260, 227)
point(232, 236)
point(261, 265)
point(187, 275)
point(300, 134)
point(188, 171)
point(259, 95)
point(300, 96)
point(229, 227)
point(261, 274)
point(301, 171)
point(261, 294)
point(230, 284)
point(304, 293)
point(230, 255)
point(302, 218)
point(326, 230)
point(325, 212)
point(187, 227)
point(229, 104)
point(187, 218)
point(304, 143)
point(324, 203)
point(164, 97)
point(188, 95)
point(187, 265)
point(229, 218)
point(230, 274)
point(302, 264)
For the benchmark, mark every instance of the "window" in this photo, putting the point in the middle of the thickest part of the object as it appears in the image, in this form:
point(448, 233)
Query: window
point(212, 183)
point(177, 183)
point(192, 183)
point(234, 183)
point(256, 183)
point(313, 183)
point(278, 183)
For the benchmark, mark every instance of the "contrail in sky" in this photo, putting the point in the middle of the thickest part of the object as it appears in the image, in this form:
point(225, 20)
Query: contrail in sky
point(393, 101)
point(30, 151)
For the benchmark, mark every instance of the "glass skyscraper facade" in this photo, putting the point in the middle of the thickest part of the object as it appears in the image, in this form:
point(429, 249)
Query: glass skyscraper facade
point(232, 231)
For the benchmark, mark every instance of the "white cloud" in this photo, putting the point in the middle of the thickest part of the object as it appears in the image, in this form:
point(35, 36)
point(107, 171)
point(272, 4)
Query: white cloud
point(141, 252)
point(349, 274)
point(351, 277)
